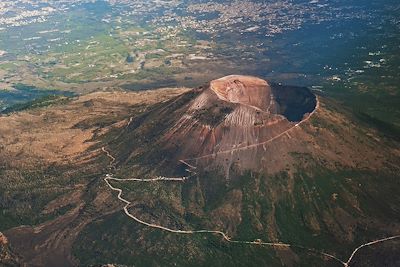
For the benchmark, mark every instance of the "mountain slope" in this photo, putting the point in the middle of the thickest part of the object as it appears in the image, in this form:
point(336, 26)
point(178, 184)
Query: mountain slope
point(256, 165)
point(203, 128)
point(320, 180)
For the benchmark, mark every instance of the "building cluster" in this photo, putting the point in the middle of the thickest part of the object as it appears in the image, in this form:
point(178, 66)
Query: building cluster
point(214, 17)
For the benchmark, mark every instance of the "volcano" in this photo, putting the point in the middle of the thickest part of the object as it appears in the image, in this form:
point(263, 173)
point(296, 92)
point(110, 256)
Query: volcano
point(238, 172)
point(240, 123)
point(265, 161)
point(234, 120)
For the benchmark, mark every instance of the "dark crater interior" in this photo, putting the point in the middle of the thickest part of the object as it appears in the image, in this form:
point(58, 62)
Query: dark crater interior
point(294, 102)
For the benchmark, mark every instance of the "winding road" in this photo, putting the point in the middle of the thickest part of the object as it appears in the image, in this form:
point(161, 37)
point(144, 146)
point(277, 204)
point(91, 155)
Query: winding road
point(225, 236)
point(109, 177)
point(369, 244)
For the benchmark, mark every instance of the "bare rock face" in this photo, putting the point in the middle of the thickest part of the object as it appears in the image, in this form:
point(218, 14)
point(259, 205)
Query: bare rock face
point(230, 123)
point(244, 90)
point(3, 239)
point(6, 256)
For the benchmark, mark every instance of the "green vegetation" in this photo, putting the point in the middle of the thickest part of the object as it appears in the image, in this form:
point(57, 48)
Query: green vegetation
point(23, 97)
point(93, 46)
point(389, 129)
point(171, 249)
point(326, 197)
point(9, 66)
point(37, 103)
point(24, 195)
point(315, 200)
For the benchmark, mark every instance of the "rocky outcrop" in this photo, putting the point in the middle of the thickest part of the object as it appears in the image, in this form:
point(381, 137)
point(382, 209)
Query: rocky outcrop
point(7, 258)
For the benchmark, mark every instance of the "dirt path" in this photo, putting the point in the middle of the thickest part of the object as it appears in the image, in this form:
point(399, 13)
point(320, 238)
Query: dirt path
point(346, 264)
point(191, 169)
point(225, 236)
point(109, 177)
point(299, 124)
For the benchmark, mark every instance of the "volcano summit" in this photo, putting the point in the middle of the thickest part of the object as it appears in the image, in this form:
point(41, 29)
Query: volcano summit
point(234, 118)
point(240, 123)
point(244, 90)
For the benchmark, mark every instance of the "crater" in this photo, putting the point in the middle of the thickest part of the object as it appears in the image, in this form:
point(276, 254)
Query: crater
point(293, 102)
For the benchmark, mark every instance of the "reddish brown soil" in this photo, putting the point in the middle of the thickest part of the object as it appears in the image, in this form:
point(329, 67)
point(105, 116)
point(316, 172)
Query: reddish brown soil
point(65, 137)
point(245, 90)
point(251, 135)
point(230, 126)
point(3, 239)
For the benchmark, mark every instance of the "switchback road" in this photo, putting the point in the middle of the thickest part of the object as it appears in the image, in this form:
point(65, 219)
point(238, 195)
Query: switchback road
point(191, 169)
